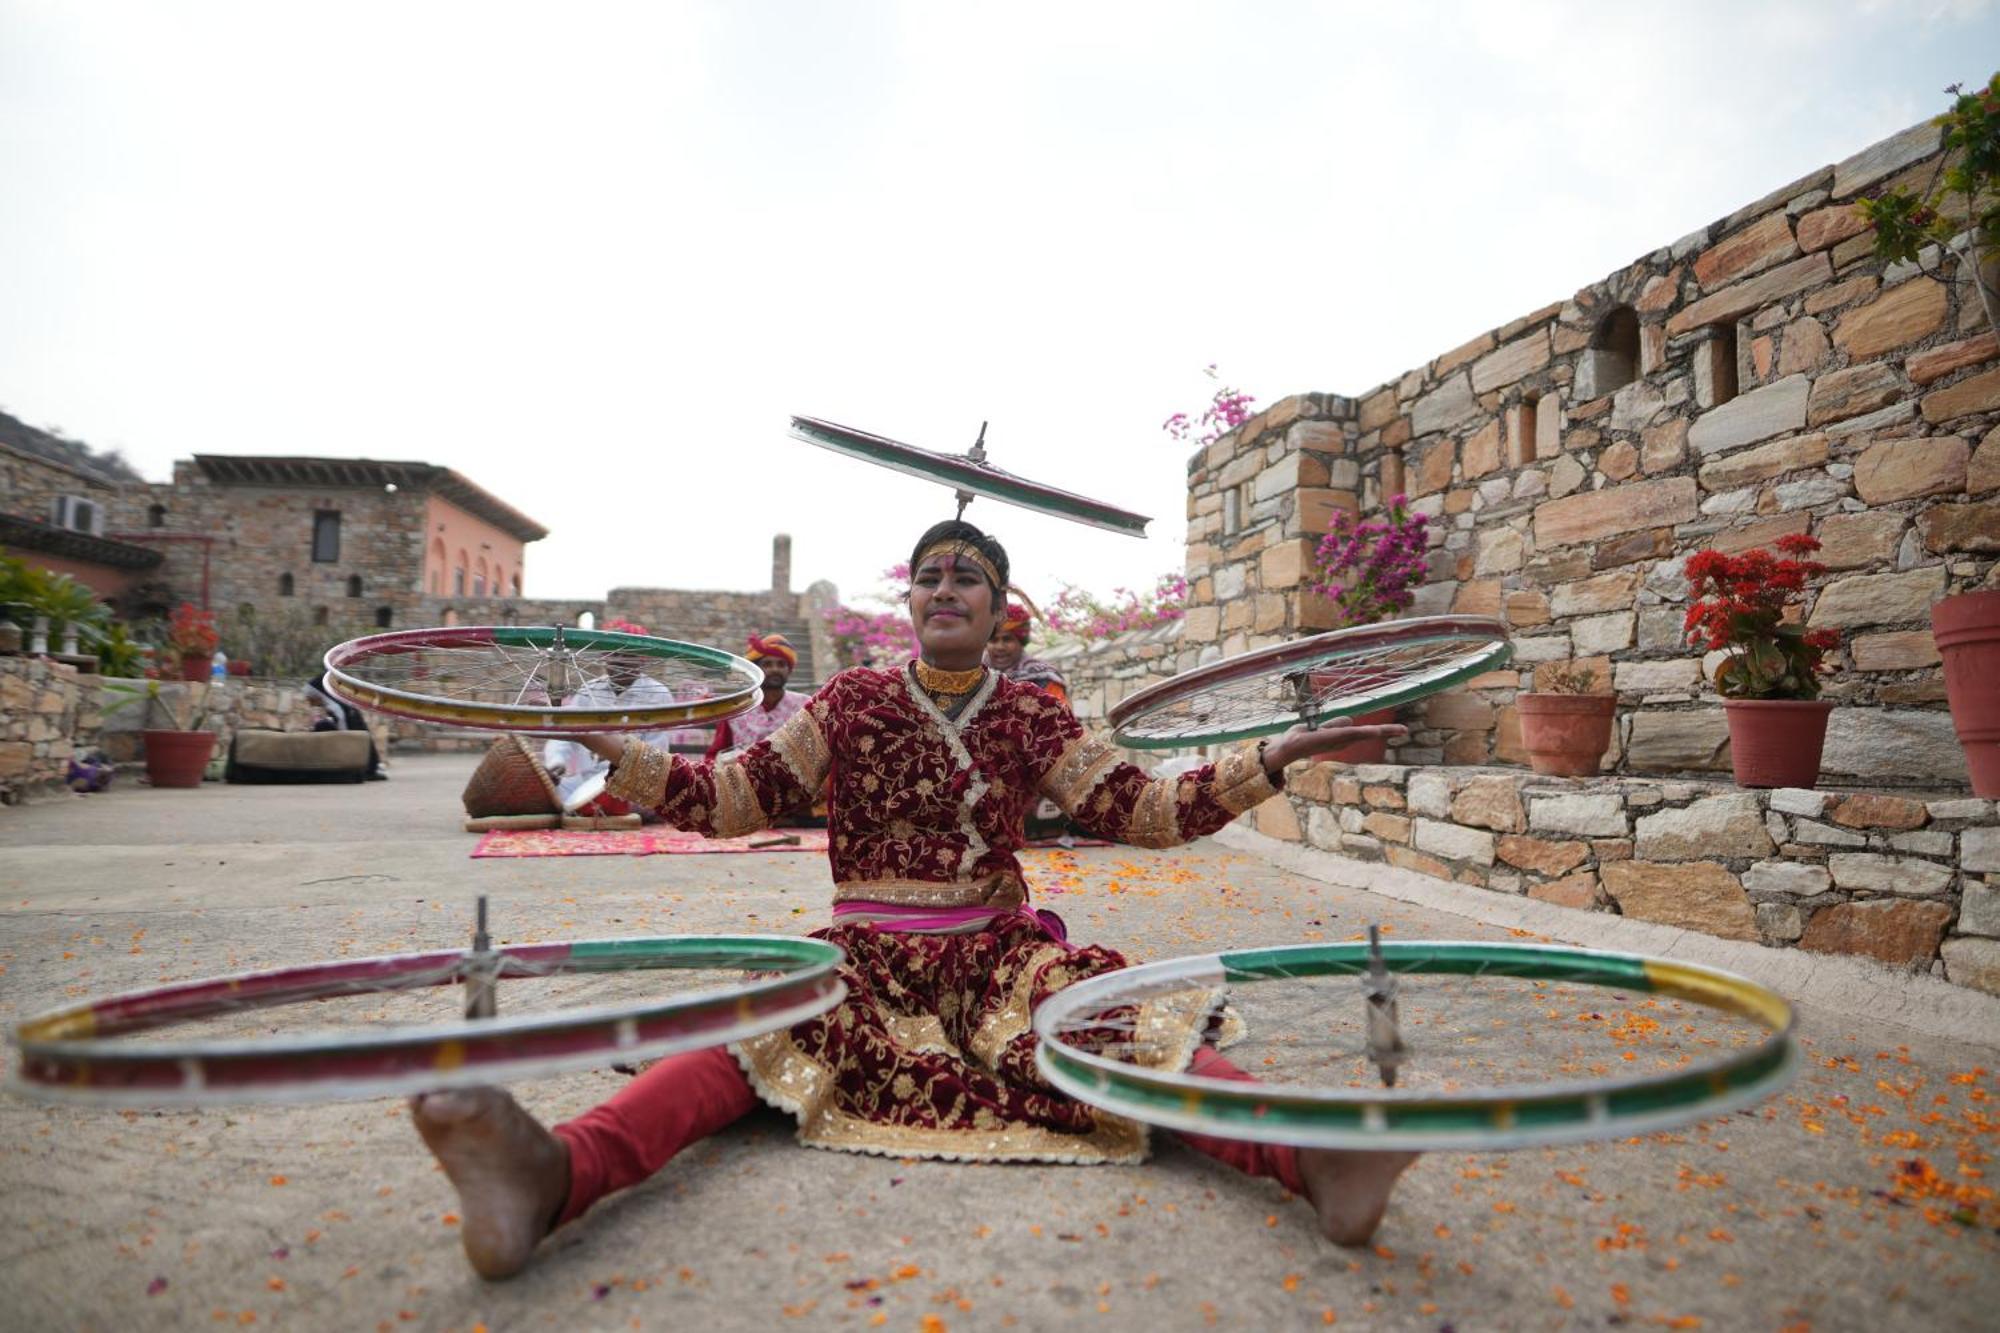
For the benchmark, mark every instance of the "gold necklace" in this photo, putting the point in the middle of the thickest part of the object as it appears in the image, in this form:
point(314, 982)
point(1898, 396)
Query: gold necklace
point(936, 681)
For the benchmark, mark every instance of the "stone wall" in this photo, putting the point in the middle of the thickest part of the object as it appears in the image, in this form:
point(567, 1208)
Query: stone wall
point(237, 703)
point(1761, 376)
point(44, 707)
point(1911, 883)
point(1102, 673)
point(30, 486)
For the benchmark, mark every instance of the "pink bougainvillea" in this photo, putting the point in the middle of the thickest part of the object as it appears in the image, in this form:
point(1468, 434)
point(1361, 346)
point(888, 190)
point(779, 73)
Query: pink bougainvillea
point(873, 636)
point(1227, 409)
point(1370, 570)
point(1078, 614)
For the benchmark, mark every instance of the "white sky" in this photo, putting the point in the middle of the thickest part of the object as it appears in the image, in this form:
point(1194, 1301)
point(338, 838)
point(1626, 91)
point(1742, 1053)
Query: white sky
point(593, 255)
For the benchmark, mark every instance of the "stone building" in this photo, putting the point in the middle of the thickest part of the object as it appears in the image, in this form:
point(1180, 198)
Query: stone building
point(56, 501)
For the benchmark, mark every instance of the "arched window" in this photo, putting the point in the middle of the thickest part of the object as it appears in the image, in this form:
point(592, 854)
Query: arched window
point(479, 578)
point(156, 516)
point(1612, 360)
point(285, 585)
point(383, 616)
point(319, 615)
point(353, 585)
point(450, 617)
point(438, 562)
point(460, 572)
point(586, 620)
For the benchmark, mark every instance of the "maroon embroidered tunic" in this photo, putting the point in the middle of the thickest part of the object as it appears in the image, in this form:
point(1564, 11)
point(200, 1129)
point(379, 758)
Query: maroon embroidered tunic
point(931, 1054)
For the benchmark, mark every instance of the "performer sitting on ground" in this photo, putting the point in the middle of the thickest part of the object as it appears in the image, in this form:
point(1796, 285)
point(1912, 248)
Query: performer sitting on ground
point(931, 1053)
point(570, 764)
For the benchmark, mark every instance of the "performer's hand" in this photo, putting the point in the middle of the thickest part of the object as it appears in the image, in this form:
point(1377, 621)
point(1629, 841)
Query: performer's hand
point(608, 748)
point(1304, 742)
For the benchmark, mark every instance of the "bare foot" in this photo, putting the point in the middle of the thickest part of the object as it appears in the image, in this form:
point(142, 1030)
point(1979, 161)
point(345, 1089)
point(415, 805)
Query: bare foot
point(1350, 1190)
point(512, 1175)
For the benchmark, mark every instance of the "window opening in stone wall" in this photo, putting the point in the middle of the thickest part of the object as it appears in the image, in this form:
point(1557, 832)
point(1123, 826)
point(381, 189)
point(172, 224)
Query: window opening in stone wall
point(586, 620)
point(1231, 519)
point(383, 616)
point(1521, 443)
point(1718, 367)
point(326, 536)
point(319, 615)
point(1612, 360)
point(156, 516)
point(285, 585)
point(450, 617)
point(353, 585)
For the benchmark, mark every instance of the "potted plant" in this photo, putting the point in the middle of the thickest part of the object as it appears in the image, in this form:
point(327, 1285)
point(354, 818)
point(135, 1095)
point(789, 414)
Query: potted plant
point(1566, 728)
point(1369, 571)
point(1958, 214)
point(192, 640)
point(1967, 630)
point(1770, 680)
point(178, 754)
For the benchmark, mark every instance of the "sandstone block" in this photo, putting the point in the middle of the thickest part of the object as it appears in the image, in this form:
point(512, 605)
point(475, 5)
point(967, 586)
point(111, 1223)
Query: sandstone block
point(1877, 873)
point(1983, 473)
point(1979, 913)
point(1643, 504)
point(1891, 470)
point(1824, 227)
point(1899, 650)
point(1794, 879)
point(1961, 527)
point(1403, 858)
point(1603, 634)
point(1388, 827)
point(1748, 418)
point(1897, 318)
point(1926, 367)
point(1979, 849)
point(1846, 393)
point(1430, 794)
point(1740, 298)
point(1450, 404)
point(1541, 855)
point(1577, 891)
point(1899, 933)
point(1501, 551)
point(1509, 364)
point(1606, 592)
point(1662, 741)
point(1886, 743)
point(1798, 801)
point(1763, 462)
point(1700, 896)
point(1974, 963)
point(1880, 812)
point(1751, 250)
point(1719, 826)
point(1879, 599)
point(1490, 803)
point(1780, 921)
point(1735, 541)
point(1585, 815)
point(1282, 565)
point(1849, 541)
point(1277, 819)
point(1458, 710)
point(1804, 347)
point(1655, 677)
point(1450, 840)
point(1976, 393)
point(1378, 409)
point(1881, 160)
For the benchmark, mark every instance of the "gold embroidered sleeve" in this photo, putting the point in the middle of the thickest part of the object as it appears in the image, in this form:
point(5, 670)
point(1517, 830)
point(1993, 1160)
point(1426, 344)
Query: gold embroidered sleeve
point(736, 809)
point(802, 745)
point(640, 778)
point(1077, 771)
point(1240, 781)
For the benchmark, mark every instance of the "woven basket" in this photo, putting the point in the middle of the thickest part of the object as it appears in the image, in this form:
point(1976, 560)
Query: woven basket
point(510, 780)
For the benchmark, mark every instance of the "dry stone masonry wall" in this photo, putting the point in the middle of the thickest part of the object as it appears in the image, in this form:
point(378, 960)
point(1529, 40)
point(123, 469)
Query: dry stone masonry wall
point(1761, 376)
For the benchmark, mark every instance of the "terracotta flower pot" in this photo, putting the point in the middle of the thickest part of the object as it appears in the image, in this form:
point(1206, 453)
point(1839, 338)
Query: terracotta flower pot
point(1776, 742)
point(194, 667)
point(178, 758)
point(1967, 630)
point(1566, 735)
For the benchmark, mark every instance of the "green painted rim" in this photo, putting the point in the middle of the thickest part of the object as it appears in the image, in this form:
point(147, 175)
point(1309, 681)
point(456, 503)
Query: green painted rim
point(1498, 655)
point(1498, 1117)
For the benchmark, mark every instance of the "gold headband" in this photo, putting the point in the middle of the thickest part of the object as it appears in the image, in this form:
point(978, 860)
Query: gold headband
point(966, 549)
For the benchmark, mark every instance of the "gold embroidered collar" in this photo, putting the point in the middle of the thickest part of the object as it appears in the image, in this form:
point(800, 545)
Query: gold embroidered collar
point(946, 682)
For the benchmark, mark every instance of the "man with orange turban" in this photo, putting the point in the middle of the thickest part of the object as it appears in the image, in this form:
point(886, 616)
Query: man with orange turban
point(774, 653)
point(1008, 654)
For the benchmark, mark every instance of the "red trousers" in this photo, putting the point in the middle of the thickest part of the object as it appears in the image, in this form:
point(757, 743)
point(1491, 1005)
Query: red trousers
point(685, 1098)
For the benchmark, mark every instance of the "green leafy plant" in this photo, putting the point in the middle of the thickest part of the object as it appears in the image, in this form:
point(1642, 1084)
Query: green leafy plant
point(29, 591)
point(118, 653)
point(1958, 212)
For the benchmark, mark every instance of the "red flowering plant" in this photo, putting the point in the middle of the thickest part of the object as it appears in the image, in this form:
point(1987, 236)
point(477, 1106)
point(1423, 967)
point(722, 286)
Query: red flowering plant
point(191, 632)
point(1739, 605)
point(1370, 570)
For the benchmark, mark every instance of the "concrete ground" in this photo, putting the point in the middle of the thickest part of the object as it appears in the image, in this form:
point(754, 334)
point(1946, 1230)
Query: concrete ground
point(1854, 1201)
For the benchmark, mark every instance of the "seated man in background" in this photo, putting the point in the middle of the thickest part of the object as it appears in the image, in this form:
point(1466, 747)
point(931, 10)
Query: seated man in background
point(1008, 654)
point(624, 682)
point(774, 707)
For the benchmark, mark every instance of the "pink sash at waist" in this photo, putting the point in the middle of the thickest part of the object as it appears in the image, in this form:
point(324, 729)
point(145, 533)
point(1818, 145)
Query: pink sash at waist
point(942, 920)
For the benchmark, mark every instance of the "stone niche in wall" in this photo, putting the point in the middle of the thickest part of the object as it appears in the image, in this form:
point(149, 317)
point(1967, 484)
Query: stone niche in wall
point(1762, 375)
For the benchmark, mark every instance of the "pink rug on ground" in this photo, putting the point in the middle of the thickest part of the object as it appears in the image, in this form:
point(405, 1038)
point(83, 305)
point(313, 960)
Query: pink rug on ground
point(642, 842)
